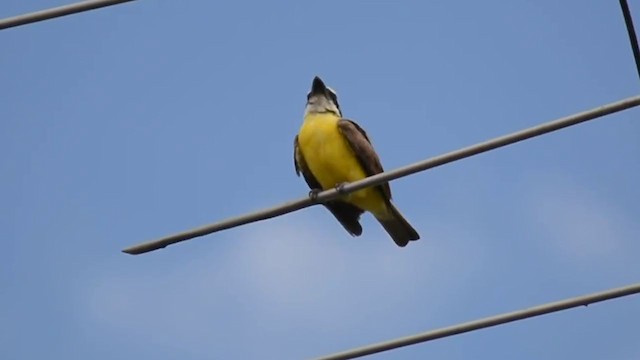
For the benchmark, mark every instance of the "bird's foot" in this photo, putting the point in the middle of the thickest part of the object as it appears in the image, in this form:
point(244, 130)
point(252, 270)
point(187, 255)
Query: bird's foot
point(313, 194)
point(340, 188)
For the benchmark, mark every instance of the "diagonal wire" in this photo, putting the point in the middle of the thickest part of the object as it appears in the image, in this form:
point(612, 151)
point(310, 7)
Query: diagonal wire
point(633, 39)
point(548, 308)
point(389, 175)
point(57, 12)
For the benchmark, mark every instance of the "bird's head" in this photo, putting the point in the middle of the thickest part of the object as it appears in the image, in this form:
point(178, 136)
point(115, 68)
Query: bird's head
point(322, 99)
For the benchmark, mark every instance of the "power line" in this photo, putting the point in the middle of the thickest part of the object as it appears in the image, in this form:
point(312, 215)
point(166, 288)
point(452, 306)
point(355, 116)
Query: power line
point(628, 21)
point(389, 175)
point(57, 12)
point(548, 308)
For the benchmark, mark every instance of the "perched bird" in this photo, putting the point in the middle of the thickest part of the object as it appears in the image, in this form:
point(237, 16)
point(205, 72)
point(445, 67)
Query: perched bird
point(330, 151)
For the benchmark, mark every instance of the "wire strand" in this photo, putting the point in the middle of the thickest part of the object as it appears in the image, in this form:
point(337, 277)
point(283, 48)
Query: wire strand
point(633, 39)
point(504, 318)
point(389, 175)
point(57, 12)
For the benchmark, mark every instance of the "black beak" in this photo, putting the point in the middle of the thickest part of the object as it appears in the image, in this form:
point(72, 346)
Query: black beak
point(318, 86)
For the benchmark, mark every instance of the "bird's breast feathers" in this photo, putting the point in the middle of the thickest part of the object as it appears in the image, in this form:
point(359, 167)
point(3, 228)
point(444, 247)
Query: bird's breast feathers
point(326, 151)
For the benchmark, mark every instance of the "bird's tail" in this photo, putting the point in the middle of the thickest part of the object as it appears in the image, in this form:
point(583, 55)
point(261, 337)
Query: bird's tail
point(397, 226)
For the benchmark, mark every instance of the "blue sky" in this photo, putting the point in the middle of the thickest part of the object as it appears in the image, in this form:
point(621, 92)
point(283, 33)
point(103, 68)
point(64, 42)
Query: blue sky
point(129, 123)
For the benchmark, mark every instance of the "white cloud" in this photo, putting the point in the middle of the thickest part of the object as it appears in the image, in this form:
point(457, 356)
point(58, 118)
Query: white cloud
point(293, 261)
point(278, 278)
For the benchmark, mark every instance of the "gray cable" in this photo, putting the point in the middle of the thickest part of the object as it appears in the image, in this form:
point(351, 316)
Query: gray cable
point(548, 308)
point(389, 175)
point(57, 12)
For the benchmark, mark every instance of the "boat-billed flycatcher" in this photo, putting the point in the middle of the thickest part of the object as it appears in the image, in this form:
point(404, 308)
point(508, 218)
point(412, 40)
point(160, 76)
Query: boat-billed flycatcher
point(330, 151)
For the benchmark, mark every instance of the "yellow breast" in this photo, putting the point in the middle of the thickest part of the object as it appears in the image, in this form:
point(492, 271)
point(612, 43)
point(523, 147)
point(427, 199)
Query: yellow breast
point(331, 159)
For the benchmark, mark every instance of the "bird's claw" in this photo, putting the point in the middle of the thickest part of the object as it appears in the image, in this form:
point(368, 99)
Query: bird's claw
point(313, 194)
point(340, 187)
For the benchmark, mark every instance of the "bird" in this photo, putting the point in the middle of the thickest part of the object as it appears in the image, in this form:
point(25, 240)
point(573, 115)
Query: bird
point(330, 151)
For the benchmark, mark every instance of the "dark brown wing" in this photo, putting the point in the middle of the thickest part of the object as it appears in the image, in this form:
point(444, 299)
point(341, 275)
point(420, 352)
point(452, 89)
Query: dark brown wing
point(361, 145)
point(348, 215)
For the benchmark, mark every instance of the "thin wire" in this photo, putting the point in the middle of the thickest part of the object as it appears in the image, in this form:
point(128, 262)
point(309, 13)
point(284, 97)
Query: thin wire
point(547, 308)
point(633, 39)
point(57, 12)
point(389, 175)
